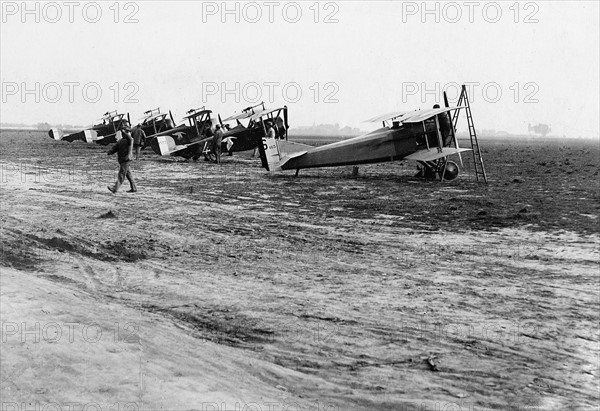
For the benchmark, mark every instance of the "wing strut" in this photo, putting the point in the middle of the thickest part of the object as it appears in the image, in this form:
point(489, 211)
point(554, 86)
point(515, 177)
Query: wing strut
point(453, 131)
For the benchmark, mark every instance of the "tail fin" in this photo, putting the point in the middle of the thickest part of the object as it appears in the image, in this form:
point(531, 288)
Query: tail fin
point(269, 153)
point(91, 135)
point(165, 145)
point(55, 134)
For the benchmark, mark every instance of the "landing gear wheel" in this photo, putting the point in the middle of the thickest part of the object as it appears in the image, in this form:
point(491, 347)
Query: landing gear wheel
point(447, 170)
point(450, 171)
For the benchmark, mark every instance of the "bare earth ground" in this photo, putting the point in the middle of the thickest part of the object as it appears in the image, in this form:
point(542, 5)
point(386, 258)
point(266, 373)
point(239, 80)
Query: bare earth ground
point(218, 288)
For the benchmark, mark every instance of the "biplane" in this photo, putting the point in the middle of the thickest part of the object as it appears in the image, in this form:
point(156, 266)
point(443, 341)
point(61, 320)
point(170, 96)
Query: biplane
point(249, 136)
point(104, 132)
point(425, 136)
point(235, 138)
point(184, 140)
point(155, 122)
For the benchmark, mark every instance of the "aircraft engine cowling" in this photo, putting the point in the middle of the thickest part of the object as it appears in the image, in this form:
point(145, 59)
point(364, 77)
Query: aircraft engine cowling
point(451, 171)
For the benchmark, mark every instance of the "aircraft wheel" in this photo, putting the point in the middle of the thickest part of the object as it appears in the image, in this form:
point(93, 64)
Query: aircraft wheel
point(451, 171)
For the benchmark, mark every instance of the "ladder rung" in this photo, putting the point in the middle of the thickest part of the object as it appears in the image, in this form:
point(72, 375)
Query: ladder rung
point(477, 157)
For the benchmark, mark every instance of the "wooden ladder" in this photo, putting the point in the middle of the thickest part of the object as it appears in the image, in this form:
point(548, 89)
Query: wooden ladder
point(477, 158)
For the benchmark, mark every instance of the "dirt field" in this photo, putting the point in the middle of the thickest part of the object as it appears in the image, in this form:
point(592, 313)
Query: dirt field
point(218, 288)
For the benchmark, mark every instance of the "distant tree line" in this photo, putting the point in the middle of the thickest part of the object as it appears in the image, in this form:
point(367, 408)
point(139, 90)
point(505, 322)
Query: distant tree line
point(326, 130)
point(541, 129)
point(41, 126)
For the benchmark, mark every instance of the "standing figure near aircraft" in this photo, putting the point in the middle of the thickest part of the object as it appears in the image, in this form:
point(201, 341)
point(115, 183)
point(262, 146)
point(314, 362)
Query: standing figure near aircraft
point(124, 150)
point(139, 140)
point(271, 133)
point(205, 132)
point(252, 124)
point(217, 142)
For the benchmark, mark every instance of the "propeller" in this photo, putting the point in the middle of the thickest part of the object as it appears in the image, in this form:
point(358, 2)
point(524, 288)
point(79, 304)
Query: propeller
point(452, 130)
point(285, 121)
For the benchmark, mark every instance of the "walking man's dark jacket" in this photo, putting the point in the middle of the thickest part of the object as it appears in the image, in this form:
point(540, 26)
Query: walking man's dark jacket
point(123, 148)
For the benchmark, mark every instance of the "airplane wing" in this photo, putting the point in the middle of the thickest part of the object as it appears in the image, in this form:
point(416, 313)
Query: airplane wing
point(261, 113)
point(422, 115)
point(434, 154)
point(387, 116)
point(197, 113)
point(150, 117)
point(239, 116)
point(251, 114)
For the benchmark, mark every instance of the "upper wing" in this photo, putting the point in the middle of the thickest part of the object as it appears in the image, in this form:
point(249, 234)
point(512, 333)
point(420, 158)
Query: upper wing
point(197, 113)
point(261, 113)
point(239, 116)
point(422, 115)
point(387, 116)
point(411, 116)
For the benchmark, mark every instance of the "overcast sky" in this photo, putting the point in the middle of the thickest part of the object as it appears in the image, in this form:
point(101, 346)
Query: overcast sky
point(330, 62)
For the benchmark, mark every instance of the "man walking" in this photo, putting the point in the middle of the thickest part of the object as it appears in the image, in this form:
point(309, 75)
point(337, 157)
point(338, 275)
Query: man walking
point(139, 140)
point(124, 150)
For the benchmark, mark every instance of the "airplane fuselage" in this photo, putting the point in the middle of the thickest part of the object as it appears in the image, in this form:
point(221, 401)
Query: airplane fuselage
point(384, 144)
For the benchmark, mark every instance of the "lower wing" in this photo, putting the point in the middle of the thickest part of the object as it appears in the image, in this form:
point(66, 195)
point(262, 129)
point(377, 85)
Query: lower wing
point(434, 154)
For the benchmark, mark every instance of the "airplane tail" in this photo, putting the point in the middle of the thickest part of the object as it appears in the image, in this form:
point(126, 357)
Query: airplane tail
point(89, 136)
point(56, 134)
point(163, 145)
point(277, 154)
point(103, 140)
point(269, 154)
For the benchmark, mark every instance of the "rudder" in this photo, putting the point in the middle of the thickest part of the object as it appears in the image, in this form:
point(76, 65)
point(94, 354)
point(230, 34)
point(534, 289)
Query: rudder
point(55, 134)
point(269, 154)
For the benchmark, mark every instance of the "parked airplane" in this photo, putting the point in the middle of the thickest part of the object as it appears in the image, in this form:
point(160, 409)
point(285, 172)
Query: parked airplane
point(104, 132)
point(155, 122)
point(238, 138)
point(425, 136)
point(184, 139)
